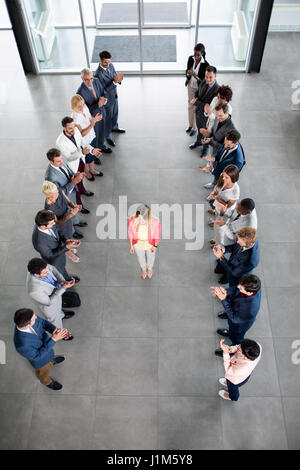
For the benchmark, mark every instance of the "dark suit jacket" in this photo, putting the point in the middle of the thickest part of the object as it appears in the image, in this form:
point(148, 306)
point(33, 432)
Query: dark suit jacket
point(37, 349)
point(60, 179)
point(241, 311)
point(51, 249)
point(106, 78)
point(236, 157)
point(89, 98)
point(207, 98)
point(241, 263)
point(218, 136)
point(201, 71)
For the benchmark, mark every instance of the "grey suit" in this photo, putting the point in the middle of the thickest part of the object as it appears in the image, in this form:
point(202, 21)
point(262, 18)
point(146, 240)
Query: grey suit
point(52, 249)
point(57, 177)
point(202, 101)
point(47, 297)
point(218, 136)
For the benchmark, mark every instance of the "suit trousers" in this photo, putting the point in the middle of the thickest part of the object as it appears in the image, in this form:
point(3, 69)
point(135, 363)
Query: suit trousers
point(145, 258)
point(233, 389)
point(201, 122)
point(112, 112)
point(43, 373)
point(191, 109)
point(236, 333)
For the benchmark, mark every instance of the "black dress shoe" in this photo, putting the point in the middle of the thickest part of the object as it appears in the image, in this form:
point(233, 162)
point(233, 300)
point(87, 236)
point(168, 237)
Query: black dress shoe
point(106, 150)
point(91, 179)
point(188, 129)
point(110, 142)
point(193, 146)
point(100, 174)
point(84, 210)
point(77, 235)
point(219, 268)
point(81, 223)
point(97, 161)
point(120, 131)
point(88, 193)
point(58, 359)
point(222, 332)
point(223, 280)
point(68, 314)
point(223, 315)
point(192, 133)
point(76, 278)
point(55, 385)
point(219, 352)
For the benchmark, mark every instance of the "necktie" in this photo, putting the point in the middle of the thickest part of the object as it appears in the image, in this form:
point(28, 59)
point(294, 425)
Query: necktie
point(52, 233)
point(224, 155)
point(64, 172)
point(93, 91)
point(204, 91)
point(219, 125)
point(238, 216)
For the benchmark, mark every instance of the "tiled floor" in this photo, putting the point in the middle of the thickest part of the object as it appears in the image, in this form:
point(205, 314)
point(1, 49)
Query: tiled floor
point(141, 373)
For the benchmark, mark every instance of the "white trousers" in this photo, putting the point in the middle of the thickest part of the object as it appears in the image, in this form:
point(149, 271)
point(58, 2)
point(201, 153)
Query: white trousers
point(191, 108)
point(145, 258)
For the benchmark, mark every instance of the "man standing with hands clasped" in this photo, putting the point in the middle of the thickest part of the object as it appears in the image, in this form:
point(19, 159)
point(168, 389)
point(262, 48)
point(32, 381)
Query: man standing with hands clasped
point(32, 341)
point(109, 79)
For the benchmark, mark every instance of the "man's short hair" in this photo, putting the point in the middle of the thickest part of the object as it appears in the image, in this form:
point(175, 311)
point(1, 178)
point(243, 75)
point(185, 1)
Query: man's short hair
point(248, 234)
point(105, 55)
point(250, 349)
point(85, 71)
point(36, 265)
point(66, 120)
point(211, 68)
point(223, 106)
point(250, 282)
point(247, 204)
point(22, 317)
point(52, 153)
point(233, 135)
point(44, 217)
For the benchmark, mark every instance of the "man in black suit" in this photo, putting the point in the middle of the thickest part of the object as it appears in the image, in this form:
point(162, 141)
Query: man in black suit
point(207, 90)
point(50, 244)
point(93, 94)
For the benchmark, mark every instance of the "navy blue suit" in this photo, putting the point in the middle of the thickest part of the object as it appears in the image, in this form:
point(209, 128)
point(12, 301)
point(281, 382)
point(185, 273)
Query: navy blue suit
point(236, 157)
point(240, 262)
point(92, 104)
point(241, 312)
point(37, 349)
point(106, 77)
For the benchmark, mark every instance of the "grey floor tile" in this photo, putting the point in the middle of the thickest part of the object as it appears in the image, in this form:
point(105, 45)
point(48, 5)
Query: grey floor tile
point(8, 221)
point(272, 231)
point(182, 185)
point(271, 153)
point(137, 185)
point(125, 423)
point(15, 418)
point(178, 267)
point(253, 424)
point(187, 366)
point(79, 372)
point(11, 299)
point(281, 264)
point(287, 352)
point(124, 269)
point(128, 366)
point(190, 423)
point(185, 312)
point(93, 264)
point(130, 312)
point(291, 409)
point(14, 268)
point(62, 422)
point(284, 307)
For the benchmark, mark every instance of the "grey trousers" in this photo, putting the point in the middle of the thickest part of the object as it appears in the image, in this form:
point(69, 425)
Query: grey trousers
point(145, 258)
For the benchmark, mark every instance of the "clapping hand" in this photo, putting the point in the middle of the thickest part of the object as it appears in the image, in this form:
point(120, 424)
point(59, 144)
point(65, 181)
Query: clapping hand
point(226, 349)
point(219, 292)
point(218, 251)
point(68, 284)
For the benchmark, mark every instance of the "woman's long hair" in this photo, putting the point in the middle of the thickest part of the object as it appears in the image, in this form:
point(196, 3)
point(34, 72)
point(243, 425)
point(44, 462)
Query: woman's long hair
point(142, 210)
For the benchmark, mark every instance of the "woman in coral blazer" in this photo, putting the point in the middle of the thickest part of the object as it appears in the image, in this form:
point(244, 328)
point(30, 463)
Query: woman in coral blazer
point(144, 233)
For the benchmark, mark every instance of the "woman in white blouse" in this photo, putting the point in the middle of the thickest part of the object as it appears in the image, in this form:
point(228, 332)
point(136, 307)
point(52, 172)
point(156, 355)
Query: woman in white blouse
point(85, 123)
point(226, 193)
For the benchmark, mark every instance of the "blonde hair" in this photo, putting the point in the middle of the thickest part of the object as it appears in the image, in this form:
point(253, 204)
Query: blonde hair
point(248, 234)
point(48, 188)
point(143, 210)
point(75, 100)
